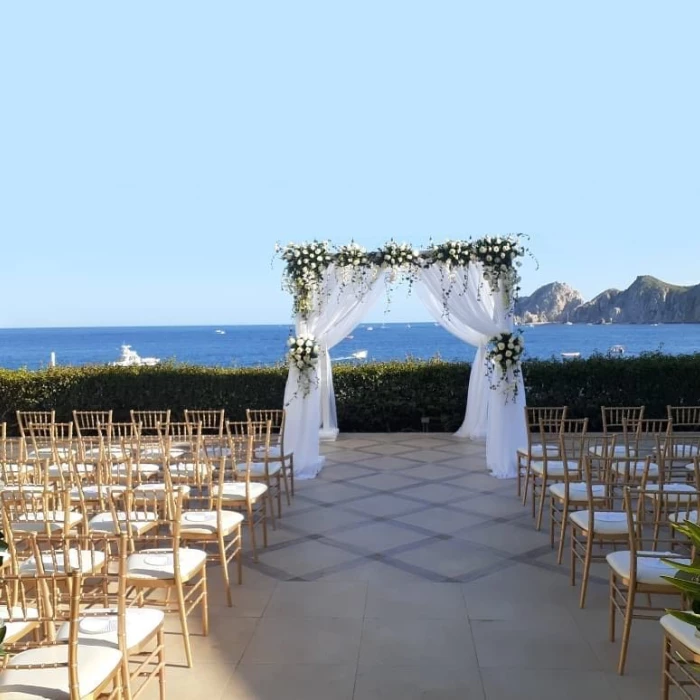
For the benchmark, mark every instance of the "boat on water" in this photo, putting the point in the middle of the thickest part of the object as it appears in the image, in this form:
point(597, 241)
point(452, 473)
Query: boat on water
point(616, 350)
point(220, 332)
point(130, 358)
point(568, 323)
point(359, 355)
point(369, 328)
point(570, 355)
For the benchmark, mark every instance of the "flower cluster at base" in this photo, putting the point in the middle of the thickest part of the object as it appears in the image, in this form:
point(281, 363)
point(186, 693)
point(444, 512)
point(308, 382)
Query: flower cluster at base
point(505, 352)
point(303, 354)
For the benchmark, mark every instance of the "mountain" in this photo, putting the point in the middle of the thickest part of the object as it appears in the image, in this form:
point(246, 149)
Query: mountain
point(553, 303)
point(646, 300)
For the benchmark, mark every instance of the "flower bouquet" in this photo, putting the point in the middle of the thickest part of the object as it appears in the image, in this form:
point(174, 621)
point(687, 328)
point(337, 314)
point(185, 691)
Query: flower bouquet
point(505, 352)
point(302, 353)
point(305, 264)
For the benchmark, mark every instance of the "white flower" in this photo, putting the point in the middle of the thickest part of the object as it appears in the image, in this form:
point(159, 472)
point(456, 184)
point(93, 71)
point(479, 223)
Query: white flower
point(482, 249)
point(498, 358)
point(356, 262)
point(300, 365)
point(290, 342)
point(496, 249)
point(501, 346)
point(489, 258)
point(509, 363)
point(509, 353)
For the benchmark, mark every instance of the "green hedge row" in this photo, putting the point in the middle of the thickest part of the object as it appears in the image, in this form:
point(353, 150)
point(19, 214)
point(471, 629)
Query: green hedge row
point(376, 397)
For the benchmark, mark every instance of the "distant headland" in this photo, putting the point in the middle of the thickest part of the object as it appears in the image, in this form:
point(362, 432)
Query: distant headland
point(646, 300)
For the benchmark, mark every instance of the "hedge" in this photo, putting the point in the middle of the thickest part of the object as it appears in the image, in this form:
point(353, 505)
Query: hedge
point(373, 397)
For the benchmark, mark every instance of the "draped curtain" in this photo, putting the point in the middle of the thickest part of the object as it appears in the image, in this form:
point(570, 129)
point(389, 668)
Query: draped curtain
point(474, 314)
point(463, 302)
point(338, 307)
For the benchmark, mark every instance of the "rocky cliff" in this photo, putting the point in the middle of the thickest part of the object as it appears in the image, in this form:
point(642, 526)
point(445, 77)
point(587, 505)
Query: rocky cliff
point(553, 303)
point(646, 300)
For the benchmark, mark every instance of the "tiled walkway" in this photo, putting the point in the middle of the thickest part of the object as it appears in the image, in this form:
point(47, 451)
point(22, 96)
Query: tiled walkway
point(406, 572)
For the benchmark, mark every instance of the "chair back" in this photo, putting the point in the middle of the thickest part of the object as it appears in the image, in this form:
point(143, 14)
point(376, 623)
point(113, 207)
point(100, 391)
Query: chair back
point(615, 417)
point(24, 418)
point(211, 420)
point(684, 418)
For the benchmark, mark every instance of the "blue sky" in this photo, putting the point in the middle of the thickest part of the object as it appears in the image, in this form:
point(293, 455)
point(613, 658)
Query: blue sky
point(152, 153)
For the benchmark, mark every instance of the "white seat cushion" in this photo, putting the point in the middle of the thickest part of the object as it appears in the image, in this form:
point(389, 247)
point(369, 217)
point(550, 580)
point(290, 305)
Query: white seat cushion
point(159, 563)
point(157, 453)
point(95, 665)
point(604, 450)
point(139, 522)
point(274, 452)
point(44, 452)
point(92, 492)
point(677, 491)
point(682, 632)
point(157, 491)
point(537, 450)
point(555, 467)
point(682, 517)
point(217, 451)
point(188, 469)
point(236, 490)
point(636, 468)
point(24, 488)
point(577, 491)
point(55, 519)
point(650, 568)
point(57, 470)
point(18, 468)
point(140, 624)
point(205, 522)
point(258, 468)
point(603, 523)
point(144, 468)
point(84, 560)
point(16, 629)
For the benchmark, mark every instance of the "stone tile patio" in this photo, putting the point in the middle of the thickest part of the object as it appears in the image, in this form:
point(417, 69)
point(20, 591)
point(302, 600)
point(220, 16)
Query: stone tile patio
point(405, 571)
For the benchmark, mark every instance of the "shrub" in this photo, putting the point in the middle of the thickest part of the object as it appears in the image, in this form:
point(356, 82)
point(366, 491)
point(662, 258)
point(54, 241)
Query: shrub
point(374, 397)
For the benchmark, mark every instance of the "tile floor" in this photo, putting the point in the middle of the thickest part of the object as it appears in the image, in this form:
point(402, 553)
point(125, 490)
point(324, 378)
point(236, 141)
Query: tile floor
point(404, 571)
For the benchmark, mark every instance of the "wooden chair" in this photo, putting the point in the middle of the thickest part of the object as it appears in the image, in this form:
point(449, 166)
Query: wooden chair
point(551, 415)
point(681, 659)
point(54, 667)
point(24, 418)
point(212, 421)
point(639, 571)
point(91, 423)
point(276, 451)
point(160, 564)
point(150, 420)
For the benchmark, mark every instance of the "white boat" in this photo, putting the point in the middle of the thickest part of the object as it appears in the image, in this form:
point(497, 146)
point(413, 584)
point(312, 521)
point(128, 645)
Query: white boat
point(570, 355)
point(369, 328)
point(568, 323)
point(617, 350)
point(220, 332)
point(359, 355)
point(130, 358)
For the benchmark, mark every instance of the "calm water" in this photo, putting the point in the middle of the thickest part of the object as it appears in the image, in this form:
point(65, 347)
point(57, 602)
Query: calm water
point(263, 345)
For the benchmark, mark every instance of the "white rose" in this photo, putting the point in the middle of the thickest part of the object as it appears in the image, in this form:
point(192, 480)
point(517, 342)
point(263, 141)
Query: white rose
point(499, 358)
point(501, 346)
point(489, 258)
point(509, 363)
point(290, 342)
point(495, 249)
point(300, 365)
point(482, 249)
point(509, 353)
point(356, 262)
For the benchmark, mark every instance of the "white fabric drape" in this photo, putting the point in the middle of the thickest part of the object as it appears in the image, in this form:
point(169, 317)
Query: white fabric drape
point(475, 314)
point(338, 307)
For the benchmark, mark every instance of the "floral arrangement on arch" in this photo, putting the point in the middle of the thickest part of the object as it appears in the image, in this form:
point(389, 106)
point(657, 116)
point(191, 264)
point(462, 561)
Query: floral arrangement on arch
point(305, 265)
point(499, 258)
point(302, 353)
point(505, 352)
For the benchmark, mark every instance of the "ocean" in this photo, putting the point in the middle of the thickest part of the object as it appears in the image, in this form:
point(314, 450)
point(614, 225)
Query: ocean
point(241, 346)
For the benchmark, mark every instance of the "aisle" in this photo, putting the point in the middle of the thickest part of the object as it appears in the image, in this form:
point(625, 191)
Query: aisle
point(406, 572)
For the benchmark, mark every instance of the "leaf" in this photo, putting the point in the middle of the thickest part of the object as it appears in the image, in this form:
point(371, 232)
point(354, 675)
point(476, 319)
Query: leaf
point(685, 586)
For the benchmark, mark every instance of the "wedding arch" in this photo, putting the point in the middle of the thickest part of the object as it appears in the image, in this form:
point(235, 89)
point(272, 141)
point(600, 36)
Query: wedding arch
point(469, 287)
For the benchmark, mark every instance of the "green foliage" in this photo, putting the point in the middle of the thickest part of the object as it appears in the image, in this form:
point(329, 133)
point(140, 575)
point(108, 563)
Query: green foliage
point(687, 579)
point(373, 397)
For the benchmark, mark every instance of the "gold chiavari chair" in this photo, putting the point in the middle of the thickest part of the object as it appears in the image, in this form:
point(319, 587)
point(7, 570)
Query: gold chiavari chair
point(533, 450)
point(212, 421)
point(24, 418)
point(602, 524)
point(681, 659)
point(684, 418)
point(149, 421)
point(174, 440)
point(91, 423)
point(568, 493)
point(131, 462)
point(207, 523)
point(50, 440)
point(111, 617)
point(237, 490)
point(53, 667)
point(617, 419)
point(639, 571)
point(546, 470)
point(188, 462)
point(159, 563)
point(127, 512)
point(545, 438)
point(276, 452)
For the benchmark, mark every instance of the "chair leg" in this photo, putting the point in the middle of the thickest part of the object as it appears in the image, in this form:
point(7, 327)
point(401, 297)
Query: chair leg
point(291, 473)
point(626, 631)
point(526, 484)
point(182, 613)
point(540, 510)
point(562, 532)
point(572, 568)
point(665, 668)
point(161, 663)
point(264, 519)
point(224, 569)
point(251, 527)
point(239, 557)
point(205, 602)
point(286, 484)
point(279, 496)
point(586, 571)
point(611, 621)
